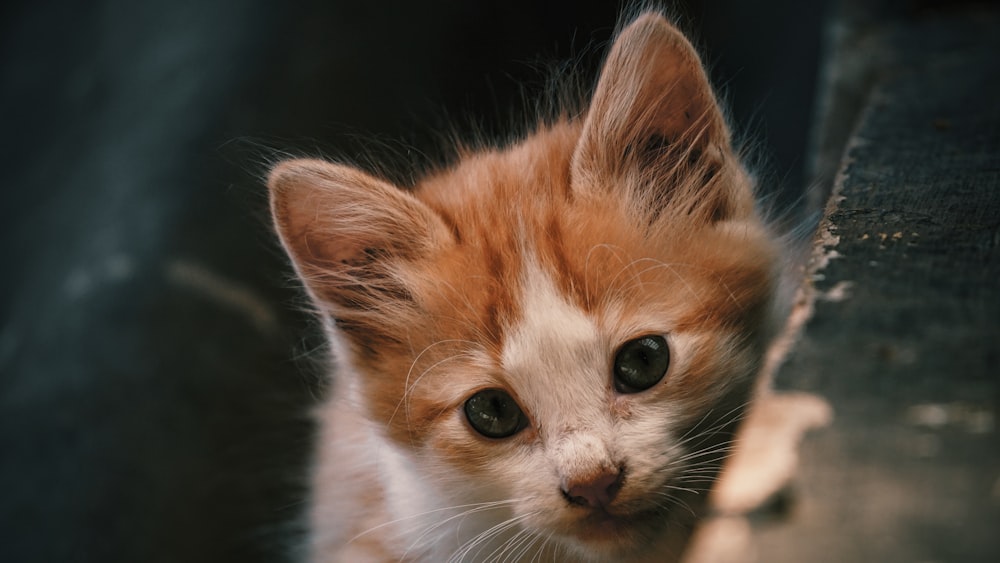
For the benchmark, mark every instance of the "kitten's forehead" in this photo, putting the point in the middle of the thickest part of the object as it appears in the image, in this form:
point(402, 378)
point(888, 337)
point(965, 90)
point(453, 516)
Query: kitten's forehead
point(554, 344)
point(549, 326)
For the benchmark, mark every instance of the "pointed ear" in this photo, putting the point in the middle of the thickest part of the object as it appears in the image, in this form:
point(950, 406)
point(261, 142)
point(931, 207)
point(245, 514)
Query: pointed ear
point(347, 233)
point(654, 120)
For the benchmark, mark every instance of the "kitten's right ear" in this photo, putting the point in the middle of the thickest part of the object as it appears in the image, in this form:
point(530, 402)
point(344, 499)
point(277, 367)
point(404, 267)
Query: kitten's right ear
point(346, 232)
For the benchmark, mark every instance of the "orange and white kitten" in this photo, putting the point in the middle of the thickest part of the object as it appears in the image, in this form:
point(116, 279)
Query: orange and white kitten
point(543, 350)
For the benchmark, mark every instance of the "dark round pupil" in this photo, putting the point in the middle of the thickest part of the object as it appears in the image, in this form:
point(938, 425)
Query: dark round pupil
point(641, 363)
point(494, 413)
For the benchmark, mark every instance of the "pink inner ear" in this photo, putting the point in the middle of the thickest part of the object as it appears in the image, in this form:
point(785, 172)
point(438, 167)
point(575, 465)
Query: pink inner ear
point(350, 236)
point(652, 86)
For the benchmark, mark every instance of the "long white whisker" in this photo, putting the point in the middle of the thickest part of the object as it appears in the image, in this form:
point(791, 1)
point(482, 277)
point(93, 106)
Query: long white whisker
point(480, 539)
point(407, 386)
point(471, 508)
point(464, 514)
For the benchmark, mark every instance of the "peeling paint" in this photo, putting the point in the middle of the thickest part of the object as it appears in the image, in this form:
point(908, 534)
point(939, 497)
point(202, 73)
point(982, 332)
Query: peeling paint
point(839, 292)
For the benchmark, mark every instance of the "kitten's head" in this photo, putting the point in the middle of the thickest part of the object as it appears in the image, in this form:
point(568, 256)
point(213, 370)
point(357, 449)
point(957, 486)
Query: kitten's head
point(570, 325)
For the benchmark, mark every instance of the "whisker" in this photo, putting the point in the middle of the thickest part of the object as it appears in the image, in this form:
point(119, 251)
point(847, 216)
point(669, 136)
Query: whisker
point(471, 509)
point(481, 539)
point(407, 386)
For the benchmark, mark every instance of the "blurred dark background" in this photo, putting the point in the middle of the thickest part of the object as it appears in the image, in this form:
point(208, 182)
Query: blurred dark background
point(156, 371)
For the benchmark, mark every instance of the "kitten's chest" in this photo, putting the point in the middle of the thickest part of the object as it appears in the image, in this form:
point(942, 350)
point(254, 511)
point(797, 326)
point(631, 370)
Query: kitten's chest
point(416, 519)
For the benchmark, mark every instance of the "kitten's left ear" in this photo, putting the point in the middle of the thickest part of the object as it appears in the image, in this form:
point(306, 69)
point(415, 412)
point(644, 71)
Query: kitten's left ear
point(654, 113)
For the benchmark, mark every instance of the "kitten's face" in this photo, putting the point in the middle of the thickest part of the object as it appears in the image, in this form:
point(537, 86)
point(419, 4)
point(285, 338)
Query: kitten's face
point(583, 367)
point(567, 328)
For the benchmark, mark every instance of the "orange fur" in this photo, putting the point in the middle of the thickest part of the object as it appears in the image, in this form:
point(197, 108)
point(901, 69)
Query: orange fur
point(632, 219)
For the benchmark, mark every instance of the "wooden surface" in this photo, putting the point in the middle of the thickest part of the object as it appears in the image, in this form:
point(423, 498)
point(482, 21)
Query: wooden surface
point(905, 337)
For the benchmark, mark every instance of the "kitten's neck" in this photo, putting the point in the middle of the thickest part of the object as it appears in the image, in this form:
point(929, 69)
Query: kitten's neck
point(385, 507)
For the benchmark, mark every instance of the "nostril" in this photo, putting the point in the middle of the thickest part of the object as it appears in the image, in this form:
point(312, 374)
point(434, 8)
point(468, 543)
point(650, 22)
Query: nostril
point(594, 491)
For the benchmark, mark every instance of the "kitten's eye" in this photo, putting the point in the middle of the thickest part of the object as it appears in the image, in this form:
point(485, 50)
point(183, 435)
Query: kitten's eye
point(641, 363)
point(494, 414)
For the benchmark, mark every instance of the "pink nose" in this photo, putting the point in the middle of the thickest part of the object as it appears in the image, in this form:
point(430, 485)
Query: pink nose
point(596, 491)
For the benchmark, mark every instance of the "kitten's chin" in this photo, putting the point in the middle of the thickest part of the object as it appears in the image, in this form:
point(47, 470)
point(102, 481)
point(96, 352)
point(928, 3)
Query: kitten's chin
point(616, 537)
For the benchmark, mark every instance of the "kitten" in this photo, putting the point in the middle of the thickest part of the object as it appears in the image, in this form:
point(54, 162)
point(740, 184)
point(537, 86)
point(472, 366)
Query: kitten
point(543, 350)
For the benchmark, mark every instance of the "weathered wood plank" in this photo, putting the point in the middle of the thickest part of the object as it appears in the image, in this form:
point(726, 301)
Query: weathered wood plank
point(905, 337)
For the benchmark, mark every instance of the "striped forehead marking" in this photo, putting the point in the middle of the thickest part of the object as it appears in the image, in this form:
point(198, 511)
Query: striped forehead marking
point(551, 333)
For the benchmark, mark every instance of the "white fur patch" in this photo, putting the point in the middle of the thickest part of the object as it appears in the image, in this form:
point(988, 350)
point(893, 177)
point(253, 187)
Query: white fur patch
point(557, 362)
point(551, 332)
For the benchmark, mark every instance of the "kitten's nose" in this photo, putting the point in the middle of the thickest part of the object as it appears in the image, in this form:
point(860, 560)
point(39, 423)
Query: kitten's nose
point(594, 491)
